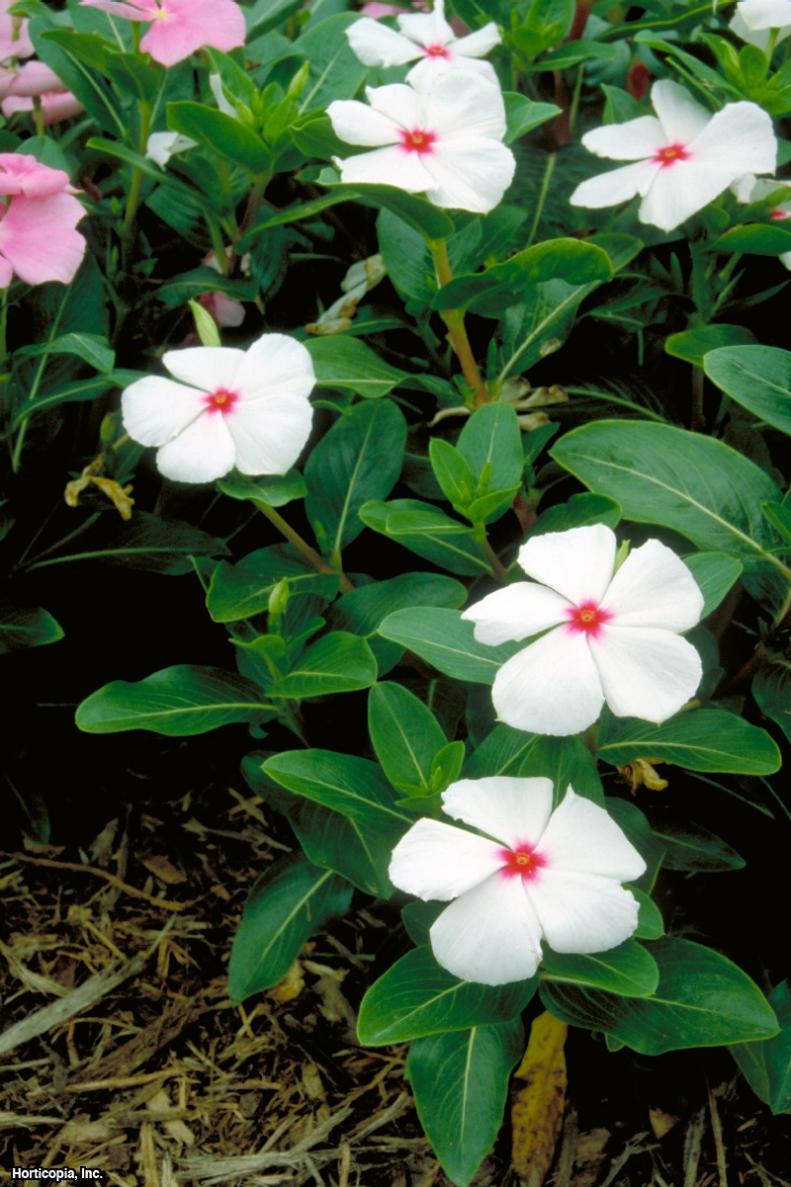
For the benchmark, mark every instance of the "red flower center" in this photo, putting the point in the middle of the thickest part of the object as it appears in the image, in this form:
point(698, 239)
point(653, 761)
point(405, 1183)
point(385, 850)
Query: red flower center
point(522, 862)
point(779, 214)
point(418, 140)
point(437, 51)
point(221, 400)
point(671, 153)
point(588, 617)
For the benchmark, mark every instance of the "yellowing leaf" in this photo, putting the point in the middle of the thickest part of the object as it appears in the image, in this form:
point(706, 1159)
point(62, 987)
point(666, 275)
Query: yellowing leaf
point(642, 773)
point(537, 1109)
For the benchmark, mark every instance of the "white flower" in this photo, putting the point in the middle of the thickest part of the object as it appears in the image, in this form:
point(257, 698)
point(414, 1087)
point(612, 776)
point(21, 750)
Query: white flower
point(441, 138)
point(604, 637)
point(247, 409)
point(754, 21)
point(162, 146)
point(683, 159)
point(426, 36)
point(552, 875)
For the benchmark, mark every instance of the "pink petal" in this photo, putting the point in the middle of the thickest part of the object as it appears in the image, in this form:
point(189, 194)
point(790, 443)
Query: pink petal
point(38, 239)
point(193, 25)
point(34, 78)
point(140, 10)
point(23, 174)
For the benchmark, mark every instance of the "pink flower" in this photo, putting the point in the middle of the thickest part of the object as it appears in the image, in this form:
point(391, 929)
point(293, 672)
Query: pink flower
point(225, 311)
point(18, 89)
point(179, 27)
point(38, 217)
point(14, 39)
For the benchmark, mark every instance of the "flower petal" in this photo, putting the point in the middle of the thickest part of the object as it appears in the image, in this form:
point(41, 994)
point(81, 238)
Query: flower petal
point(193, 25)
point(269, 434)
point(619, 185)
point(439, 861)
point(399, 103)
point(466, 106)
point(682, 119)
point(514, 811)
point(577, 563)
point(357, 123)
point(203, 452)
point(377, 45)
point(581, 838)
point(633, 141)
point(128, 12)
point(680, 191)
point(476, 44)
point(739, 139)
point(429, 28)
point(154, 409)
point(516, 612)
point(469, 175)
point(551, 687)
point(490, 935)
point(386, 166)
point(428, 68)
point(582, 912)
point(38, 239)
point(645, 672)
point(275, 365)
point(653, 587)
point(765, 14)
point(205, 367)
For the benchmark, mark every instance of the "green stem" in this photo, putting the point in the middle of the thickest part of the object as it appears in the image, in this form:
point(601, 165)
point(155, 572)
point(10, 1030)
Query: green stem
point(38, 116)
point(42, 366)
point(292, 535)
point(136, 184)
point(500, 571)
point(457, 331)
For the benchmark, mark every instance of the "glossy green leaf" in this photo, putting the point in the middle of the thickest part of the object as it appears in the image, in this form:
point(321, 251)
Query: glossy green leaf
point(405, 736)
point(446, 641)
point(700, 740)
point(628, 970)
point(524, 115)
point(240, 591)
point(146, 542)
point(338, 662)
point(286, 907)
point(428, 532)
point(429, 220)
point(650, 924)
point(221, 134)
point(566, 761)
point(93, 349)
point(416, 997)
point(766, 1065)
point(716, 574)
point(27, 626)
point(772, 690)
point(491, 444)
point(757, 377)
point(695, 850)
point(761, 239)
point(692, 345)
point(344, 783)
point(578, 512)
point(347, 364)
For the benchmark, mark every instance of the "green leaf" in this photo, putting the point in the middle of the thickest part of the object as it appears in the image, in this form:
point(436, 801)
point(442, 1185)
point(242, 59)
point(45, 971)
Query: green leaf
point(93, 349)
point(429, 220)
point(635, 824)
point(344, 783)
point(700, 740)
point(523, 115)
point(628, 970)
point(335, 70)
point(491, 444)
point(427, 531)
point(416, 997)
point(650, 924)
point(187, 285)
point(757, 377)
point(692, 484)
point(77, 59)
point(716, 574)
point(347, 364)
point(23, 626)
point(452, 472)
point(692, 345)
point(703, 1000)
point(767, 1065)
point(501, 285)
point(405, 736)
point(338, 662)
point(274, 490)
point(760, 239)
point(287, 905)
point(359, 459)
point(506, 751)
point(241, 591)
point(578, 512)
point(460, 1085)
point(772, 690)
point(221, 134)
point(697, 851)
point(446, 641)
point(177, 702)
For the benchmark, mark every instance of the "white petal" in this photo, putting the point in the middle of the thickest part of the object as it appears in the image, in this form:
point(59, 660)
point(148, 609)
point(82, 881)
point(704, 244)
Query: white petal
point(476, 44)
point(155, 409)
point(462, 104)
point(357, 123)
point(203, 452)
point(577, 563)
point(427, 29)
point(619, 185)
point(377, 45)
point(387, 166)
point(581, 912)
point(205, 367)
point(633, 141)
point(490, 935)
point(275, 364)
point(516, 612)
point(739, 139)
point(646, 673)
point(469, 175)
point(439, 861)
point(161, 146)
point(653, 587)
point(552, 687)
point(399, 103)
point(514, 811)
point(680, 116)
point(269, 434)
point(428, 68)
point(765, 14)
point(679, 191)
point(581, 838)
point(757, 37)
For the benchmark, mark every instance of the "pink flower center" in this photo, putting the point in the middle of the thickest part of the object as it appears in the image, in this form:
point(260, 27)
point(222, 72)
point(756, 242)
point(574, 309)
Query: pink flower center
point(522, 862)
point(221, 400)
point(437, 51)
point(418, 140)
point(671, 153)
point(780, 214)
point(588, 617)
point(161, 14)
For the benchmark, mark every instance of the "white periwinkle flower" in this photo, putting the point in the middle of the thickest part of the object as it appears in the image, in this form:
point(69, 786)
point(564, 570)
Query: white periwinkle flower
point(424, 36)
point(161, 146)
point(231, 408)
point(552, 875)
point(683, 158)
point(442, 138)
point(605, 634)
point(756, 20)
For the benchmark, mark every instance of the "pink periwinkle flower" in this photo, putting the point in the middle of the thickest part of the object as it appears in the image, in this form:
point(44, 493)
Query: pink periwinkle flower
point(226, 312)
point(14, 39)
point(179, 27)
point(38, 218)
point(19, 88)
